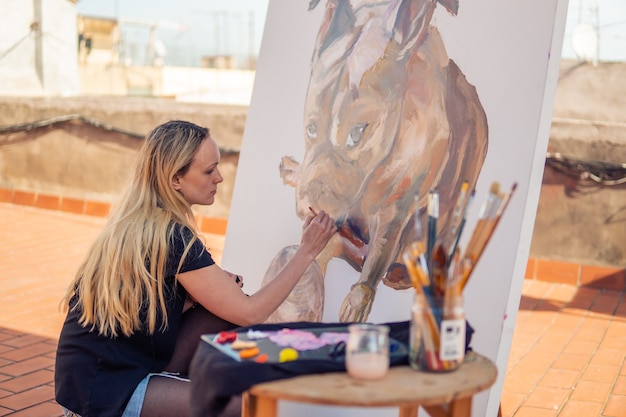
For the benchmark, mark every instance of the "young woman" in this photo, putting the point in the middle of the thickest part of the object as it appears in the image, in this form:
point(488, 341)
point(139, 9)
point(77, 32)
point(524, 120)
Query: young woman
point(148, 287)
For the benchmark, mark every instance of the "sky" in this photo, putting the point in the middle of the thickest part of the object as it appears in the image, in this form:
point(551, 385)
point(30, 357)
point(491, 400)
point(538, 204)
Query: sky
point(190, 29)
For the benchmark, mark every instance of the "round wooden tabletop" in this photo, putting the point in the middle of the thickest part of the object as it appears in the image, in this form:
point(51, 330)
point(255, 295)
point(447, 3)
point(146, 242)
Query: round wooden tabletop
point(401, 387)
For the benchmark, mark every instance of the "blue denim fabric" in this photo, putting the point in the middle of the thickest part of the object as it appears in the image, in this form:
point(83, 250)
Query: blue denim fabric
point(133, 408)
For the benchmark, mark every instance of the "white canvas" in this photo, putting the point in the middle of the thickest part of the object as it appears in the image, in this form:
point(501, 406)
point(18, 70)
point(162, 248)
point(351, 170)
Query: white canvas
point(509, 51)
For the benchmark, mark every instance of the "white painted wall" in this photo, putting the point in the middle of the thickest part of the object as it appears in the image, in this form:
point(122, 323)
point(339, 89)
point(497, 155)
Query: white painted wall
point(38, 48)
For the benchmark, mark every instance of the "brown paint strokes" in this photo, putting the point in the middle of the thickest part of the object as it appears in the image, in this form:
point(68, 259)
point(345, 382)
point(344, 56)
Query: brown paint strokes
point(388, 117)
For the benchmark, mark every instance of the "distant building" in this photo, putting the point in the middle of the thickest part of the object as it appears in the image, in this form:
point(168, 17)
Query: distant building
point(98, 40)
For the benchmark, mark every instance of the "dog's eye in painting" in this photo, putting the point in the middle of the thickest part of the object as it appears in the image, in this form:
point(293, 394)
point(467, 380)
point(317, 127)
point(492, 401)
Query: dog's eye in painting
point(311, 131)
point(356, 133)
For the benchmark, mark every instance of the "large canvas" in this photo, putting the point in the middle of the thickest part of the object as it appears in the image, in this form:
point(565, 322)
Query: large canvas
point(361, 108)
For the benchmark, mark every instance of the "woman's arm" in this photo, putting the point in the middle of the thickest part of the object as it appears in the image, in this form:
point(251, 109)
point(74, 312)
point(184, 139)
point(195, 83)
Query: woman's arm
point(216, 290)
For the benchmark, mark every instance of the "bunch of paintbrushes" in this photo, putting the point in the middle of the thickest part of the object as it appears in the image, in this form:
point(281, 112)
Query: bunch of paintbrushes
point(439, 273)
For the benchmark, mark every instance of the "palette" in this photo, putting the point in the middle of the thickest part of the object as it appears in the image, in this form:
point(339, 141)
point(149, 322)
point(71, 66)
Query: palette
point(324, 343)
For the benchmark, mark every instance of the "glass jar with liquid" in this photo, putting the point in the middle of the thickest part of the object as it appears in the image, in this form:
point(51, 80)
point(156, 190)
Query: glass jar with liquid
point(367, 351)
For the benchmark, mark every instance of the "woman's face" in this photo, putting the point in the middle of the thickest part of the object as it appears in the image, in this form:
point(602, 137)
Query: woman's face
point(199, 184)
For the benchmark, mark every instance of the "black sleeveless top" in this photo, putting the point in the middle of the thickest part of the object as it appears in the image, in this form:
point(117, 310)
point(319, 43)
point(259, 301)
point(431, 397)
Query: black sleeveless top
point(96, 375)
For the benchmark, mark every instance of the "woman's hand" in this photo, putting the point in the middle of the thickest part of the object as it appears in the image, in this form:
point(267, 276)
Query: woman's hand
point(316, 232)
point(213, 287)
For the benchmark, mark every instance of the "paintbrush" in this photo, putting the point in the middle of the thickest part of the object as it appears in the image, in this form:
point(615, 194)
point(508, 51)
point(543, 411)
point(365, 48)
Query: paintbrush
point(439, 270)
point(431, 232)
point(458, 210)
point(345, 232)
point(484, 218)
point(415, 254)
point(473, 254)
point(418, 278)
point(463, 203)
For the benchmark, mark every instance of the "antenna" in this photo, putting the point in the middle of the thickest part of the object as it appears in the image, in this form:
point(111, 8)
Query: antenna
point(585, 42)
point(586, 38)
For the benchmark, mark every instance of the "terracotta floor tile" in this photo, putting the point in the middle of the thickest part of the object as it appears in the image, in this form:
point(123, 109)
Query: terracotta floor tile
point(72, 205)
point(24, 198)
point(27, 352)
point(27, 366)
point(28, 398)
point(575, 408)
point(613, 342)
point(539, 319)
point(571, 361)
point(580, 347)
point(546, 397)
point(22, 383)
point(528, 303)
point(520, 381)
point(592, 391)
point(617, 327)
point(4, 362)
point(616, 406)
point(558, 335)
point(559, 378)
point(6, 195)
point(556, 271)
point(620, 386)
point(621, 309)
point(606, 303)
point(608, 357)
point(584, 298)
point(518, 350)
point(550, 306)
point(571, 322)
point(536, 289)
point(563, 293)
point(600, 373)
point(548, 347)
point(510, 401)
point(536, 363)
point(526, 411)
point(93, 208)
point(5, 411)
point(22, 340)
point(591, 333)
point(50, 202)
point(47, 409)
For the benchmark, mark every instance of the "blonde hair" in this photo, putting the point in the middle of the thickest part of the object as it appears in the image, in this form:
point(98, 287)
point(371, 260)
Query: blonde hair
point(124, 269)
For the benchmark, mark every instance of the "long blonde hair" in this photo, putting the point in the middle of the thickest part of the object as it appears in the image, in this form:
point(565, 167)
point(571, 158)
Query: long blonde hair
point(124, 269)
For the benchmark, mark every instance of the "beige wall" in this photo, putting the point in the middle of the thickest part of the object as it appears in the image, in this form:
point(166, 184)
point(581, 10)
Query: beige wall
point(577, 220)
point(86, 162)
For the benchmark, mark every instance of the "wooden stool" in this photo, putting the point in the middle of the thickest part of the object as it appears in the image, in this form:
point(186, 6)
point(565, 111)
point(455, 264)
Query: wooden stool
point(441, 394)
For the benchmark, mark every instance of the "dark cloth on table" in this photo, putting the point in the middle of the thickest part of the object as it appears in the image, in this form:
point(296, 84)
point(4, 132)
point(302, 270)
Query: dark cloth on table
point(216, 377)
point(95, 375)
